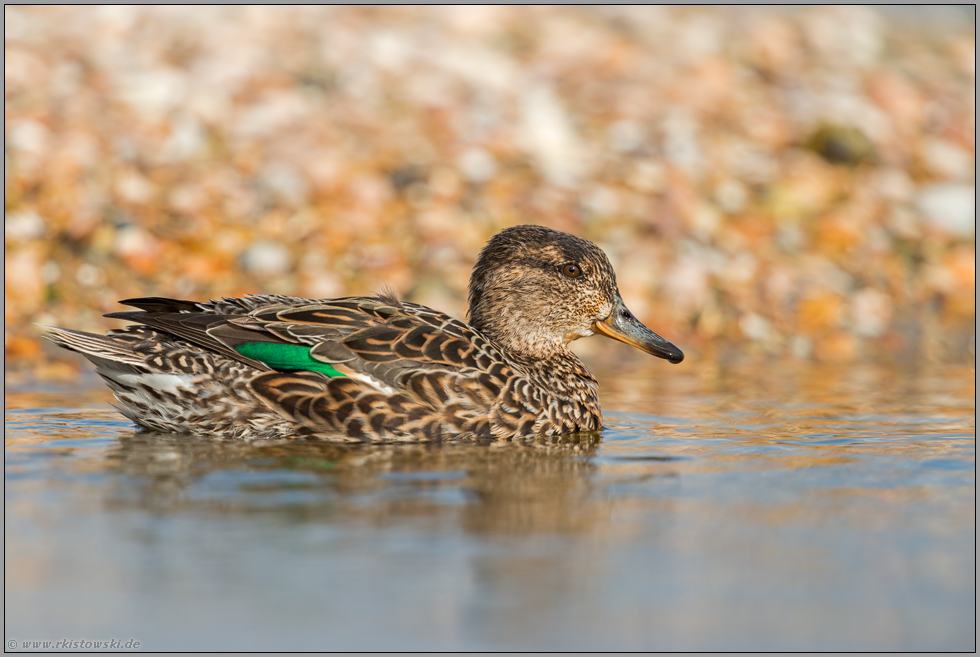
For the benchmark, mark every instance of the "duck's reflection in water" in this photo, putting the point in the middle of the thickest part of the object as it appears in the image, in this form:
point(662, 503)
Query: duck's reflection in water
point(538, 486)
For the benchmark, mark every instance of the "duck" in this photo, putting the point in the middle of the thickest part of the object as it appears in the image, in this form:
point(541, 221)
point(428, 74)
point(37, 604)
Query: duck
point(377, 369)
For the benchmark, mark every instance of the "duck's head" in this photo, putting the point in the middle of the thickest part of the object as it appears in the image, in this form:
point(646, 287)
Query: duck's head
point(534, 290)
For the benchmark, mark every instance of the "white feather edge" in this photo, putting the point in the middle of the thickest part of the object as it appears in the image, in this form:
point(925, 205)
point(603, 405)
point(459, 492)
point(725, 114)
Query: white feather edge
point(371, 381)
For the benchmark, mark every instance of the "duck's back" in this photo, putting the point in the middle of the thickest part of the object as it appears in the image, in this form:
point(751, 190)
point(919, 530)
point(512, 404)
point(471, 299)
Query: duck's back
point(358, 368)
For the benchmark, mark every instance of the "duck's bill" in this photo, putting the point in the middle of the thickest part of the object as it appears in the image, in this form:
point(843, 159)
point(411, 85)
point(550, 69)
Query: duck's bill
point(623, 326)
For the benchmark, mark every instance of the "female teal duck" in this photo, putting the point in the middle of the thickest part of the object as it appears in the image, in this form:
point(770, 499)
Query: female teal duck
point(375, 368)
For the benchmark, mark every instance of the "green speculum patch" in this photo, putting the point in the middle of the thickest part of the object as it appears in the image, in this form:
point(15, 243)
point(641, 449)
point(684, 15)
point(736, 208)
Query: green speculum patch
point(288, 357)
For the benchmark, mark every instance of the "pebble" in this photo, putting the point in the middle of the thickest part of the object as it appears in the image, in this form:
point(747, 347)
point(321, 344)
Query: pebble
point(267, 258)
point(950, 207)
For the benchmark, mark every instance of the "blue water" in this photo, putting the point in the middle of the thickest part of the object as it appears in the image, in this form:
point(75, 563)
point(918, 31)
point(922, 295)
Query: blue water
point(795, 508)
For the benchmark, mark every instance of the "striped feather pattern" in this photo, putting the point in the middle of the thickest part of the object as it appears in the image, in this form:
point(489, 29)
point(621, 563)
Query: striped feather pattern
point(373, 368)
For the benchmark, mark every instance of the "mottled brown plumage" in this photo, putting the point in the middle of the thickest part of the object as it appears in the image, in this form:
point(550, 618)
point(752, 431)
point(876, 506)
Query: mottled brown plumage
point(375, 368)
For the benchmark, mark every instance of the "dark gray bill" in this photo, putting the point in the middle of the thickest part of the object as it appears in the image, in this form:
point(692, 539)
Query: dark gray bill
point(623, 326)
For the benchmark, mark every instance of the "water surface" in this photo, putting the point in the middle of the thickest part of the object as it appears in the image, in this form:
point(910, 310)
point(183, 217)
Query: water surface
point(754, 507)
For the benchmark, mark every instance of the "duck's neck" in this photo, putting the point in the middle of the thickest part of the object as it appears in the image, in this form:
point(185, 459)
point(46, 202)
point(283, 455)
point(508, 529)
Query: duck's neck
point(545, 358)
point(517, 334)
point(514, 339)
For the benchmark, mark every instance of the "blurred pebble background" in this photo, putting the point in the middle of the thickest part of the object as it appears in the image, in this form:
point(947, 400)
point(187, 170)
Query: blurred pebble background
point(785, 183)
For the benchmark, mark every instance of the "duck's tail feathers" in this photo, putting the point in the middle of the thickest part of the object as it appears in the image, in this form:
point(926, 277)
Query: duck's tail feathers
point(109, 356)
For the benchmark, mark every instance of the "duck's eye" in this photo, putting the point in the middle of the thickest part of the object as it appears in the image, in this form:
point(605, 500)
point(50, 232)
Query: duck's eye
point(571, 270)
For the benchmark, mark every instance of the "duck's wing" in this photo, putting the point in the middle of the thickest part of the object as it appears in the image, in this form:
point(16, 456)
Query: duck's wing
point(370, 363)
